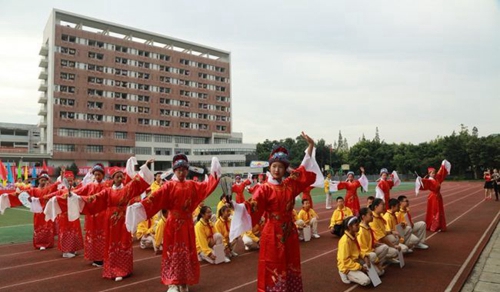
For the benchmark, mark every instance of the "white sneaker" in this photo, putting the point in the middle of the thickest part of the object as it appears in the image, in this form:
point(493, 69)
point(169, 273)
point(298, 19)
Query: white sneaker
point(118, 279)
point(247, 248)
point(393, 261)
point(42, 248)
point(316, 235)
point(227, 260)
point(409, 250)
point(234, 254)
point(344, 278)
point(422, 246)
point(68, 255)
point(173, 288)
point(328, 208)
point(301, 238)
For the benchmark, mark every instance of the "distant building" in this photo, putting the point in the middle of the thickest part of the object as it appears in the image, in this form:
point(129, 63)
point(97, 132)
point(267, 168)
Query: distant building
point(110, 91)
point(20, 141)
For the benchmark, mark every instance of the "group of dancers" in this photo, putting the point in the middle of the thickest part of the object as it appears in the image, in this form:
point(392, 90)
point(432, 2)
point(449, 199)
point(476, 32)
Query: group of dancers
point(169, 215)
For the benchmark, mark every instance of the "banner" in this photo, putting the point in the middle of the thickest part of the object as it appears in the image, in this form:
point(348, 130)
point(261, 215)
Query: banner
point(255, 164)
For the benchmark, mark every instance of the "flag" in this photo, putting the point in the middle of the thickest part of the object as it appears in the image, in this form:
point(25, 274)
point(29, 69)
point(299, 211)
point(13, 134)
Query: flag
point(33, 175)
point(25, 172)
point(10, 176)
point(3, 173)
point(19, 171)
point(44, 166)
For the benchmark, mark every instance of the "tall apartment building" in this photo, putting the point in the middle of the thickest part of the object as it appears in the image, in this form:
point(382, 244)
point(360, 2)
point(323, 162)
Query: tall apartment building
point(110, 91)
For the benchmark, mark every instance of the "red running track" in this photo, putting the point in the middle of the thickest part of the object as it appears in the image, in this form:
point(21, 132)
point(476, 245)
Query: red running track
point(445, 265)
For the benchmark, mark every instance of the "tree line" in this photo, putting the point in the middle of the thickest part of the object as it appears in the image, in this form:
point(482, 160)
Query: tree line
point(468, 153)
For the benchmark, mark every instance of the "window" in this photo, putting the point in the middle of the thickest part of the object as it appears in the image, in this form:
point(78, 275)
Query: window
point(164, 68)
point(164, 101)
point(67, 101)
point(142, 86)
point(220, 69)
point(123, 149)
point(94, 148)
point(163, 138)
point(93, 43)
point(66, 63)
point(164, 123)
point(143, 64)
point(67, 76)
point(94, 117)
point(184, 114)
point(203, 116)
point(185, 125)
point(67, 115)
point(121, 83)
point(121, 107)
point(222, 98)
point(121, 135)
point(120, 120)
point(185, 93)
point(183, 72)
point(92, 67)
point(67, 132)
point(182, 150)
point(97, 56)
point(203, 106)
point(91, 134)
point(96, 80)
point(68, 38)
point(69, 89)
point(221, 128)
point(64, 147)
point(165, 112)
point(68, 51)
point(183, 140)
point(121, 49)
point(164, 57)
point(142, 150)
point(184, 103)
point(121, 95)
point(94, 105)
point(142, 121)
point(163, 151)
point(143, 75)
point(121, 60)
point(95, 92)
point(143, 53)
point(143, 110)
point(202, 127)
point(143, 98)
point(184, 61)
point(165, 90)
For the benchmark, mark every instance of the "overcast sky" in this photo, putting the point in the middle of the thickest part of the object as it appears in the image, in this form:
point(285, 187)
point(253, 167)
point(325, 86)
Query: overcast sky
point(414, 69)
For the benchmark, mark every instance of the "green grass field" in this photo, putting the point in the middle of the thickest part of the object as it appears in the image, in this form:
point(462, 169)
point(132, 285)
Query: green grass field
point(16, 224)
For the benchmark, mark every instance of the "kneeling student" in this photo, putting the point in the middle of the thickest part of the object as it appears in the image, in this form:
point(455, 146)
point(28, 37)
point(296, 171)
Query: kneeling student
point(371, 250)
point(307, 217)
point(206, 238)
point(349, 260)
point(391, 221)
point(338, 216)
point(417, 228)
point(223, 226)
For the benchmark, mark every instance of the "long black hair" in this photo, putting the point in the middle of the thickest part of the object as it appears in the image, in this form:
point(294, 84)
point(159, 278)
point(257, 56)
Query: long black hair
point(363, 212)
point(375, 203)
point(203, 211)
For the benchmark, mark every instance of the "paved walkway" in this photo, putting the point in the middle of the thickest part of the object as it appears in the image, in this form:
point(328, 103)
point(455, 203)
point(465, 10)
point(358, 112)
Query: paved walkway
point(486, 274)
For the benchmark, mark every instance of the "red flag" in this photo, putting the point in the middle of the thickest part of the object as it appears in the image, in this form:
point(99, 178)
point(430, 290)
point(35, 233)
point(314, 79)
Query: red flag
point(3, 171)
point(44, 166)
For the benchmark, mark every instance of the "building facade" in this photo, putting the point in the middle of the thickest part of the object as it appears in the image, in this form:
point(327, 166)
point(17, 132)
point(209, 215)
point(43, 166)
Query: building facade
point(109, 91)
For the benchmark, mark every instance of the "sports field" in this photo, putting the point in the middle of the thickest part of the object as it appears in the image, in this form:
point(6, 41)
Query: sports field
point(443, 267)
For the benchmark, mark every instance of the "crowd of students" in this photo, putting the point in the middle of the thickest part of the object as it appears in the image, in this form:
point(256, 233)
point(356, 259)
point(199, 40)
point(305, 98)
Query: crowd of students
point(169, 217)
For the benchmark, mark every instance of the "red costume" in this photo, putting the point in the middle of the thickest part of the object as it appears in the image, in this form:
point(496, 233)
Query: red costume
point(435, 218)
point(239, 188)
point(113, 202)
point(385, 186)
point(279, 256)
point(179, 264)
point(306, 194)
point(95, 223)
point(351, 196)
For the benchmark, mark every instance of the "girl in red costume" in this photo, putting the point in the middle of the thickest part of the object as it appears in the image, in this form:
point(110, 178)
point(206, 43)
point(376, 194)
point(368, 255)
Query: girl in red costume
point(351, 185)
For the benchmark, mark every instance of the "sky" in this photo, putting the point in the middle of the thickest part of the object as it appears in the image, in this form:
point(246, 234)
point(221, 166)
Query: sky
point(414, 69)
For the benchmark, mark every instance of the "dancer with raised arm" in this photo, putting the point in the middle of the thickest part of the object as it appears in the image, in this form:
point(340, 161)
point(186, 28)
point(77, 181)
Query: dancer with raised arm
point(385, 184)
point(279, 256)
point(435, 218)
point(179, 266)
point(351, 185)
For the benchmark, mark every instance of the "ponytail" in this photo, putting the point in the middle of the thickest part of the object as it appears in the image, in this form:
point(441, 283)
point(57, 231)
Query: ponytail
point(203, 211)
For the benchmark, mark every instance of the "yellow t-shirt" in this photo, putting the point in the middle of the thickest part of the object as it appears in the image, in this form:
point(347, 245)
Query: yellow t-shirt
point(339, 215)
point(203, 232)
point(378, 226)
point(348, 255)
point(220, 227)
point(306, 216)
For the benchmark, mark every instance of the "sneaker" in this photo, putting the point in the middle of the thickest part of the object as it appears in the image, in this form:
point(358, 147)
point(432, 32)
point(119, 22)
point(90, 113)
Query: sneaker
point(247, 248)
point(344, 278)
point(316, 235)
point(227, 260)
point(97, 264)
point(42, 248)
point(68, 255)
point(117, 279)
point(409, 250)
point(234, 254)
point(393, 261)
point(301, 238)
point(173, 288)
point(422, 246)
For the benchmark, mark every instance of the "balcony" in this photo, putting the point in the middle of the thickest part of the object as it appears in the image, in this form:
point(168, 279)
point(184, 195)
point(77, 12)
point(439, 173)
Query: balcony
point(44, 63)
point(42, 124)
point(43, 74)
point(44, 50)
point(42, 111)
point(43, 86)
point(42, 98)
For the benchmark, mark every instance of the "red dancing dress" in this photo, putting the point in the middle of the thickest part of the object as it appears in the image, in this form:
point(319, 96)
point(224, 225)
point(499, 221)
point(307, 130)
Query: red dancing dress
point(179, 264)
point(435, 218)
point(239, 188)
point(113, 202)
point(385, 186)
point(279, 256)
